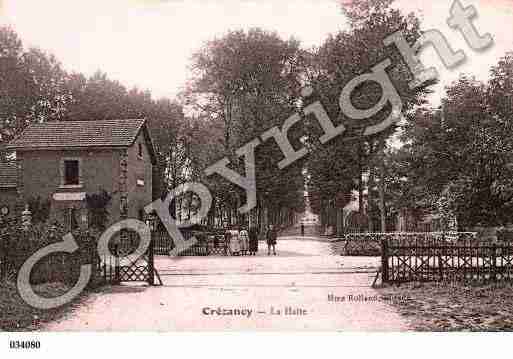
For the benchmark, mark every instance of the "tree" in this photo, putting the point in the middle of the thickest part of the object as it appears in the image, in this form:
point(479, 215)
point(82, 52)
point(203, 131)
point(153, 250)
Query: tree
point(97, 204)
point(338, 60)
point(98, 98)
point(49, 94)
point(243, 84)
point(32, 87)
point(35, 88)
point(461, 154)
point(166, 124)
point(13, 87)
point(500, 88)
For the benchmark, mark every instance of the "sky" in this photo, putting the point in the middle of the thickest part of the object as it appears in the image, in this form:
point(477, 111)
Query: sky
point(149, 43)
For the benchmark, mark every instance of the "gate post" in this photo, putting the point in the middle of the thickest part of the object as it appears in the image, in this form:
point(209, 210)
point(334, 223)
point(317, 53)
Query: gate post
point(92, 254)
point(117, 274)
point(151, 261)
point(384, 260)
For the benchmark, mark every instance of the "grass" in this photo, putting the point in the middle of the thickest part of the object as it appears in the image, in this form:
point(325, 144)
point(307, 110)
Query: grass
point(16, 315)
point(455, 306)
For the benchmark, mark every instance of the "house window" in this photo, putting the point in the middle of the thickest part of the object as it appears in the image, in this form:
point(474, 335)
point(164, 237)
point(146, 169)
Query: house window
point(71, 172)
point(140, 153)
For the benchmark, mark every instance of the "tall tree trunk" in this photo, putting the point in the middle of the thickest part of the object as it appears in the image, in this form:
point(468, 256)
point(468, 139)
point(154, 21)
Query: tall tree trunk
point(360, 187)
point(382, 208)
point(323, 217)
point(189, 210)
point(370, 186)
point(257, 217)
point(180, 207)
point(236, 210)
point(212, 214)
point(252, 215)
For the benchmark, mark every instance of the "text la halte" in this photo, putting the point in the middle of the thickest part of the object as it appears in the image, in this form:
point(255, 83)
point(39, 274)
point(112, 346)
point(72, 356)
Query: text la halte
point(247, 312)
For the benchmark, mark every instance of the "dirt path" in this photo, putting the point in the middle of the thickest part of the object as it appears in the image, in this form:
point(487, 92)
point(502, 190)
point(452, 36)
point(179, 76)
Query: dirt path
point(295, 290)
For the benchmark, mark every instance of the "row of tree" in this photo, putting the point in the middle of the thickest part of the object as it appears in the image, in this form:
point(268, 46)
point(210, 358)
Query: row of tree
point(457, 160)
point(34, 87)
point(454, 160)
point(247, 82)
point(352, 167)
point(241, 85)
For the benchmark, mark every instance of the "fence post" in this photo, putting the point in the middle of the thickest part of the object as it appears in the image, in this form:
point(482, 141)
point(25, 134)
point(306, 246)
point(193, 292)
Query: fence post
point(384, 260)
point(92, 259)
point(440, 261)
point(151, 261)
point(117, 274)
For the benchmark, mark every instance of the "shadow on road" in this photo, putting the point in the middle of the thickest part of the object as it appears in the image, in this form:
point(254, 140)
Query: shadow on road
point(125, 289)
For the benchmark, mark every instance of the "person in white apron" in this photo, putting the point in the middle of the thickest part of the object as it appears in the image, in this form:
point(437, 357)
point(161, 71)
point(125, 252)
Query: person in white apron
point(234, 243)
point(244, 241)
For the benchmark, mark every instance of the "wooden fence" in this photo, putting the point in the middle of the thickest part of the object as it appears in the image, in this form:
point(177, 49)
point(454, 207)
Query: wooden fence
point(163, 242)
point(370, 244)
point(415, 259)
point(208, 243)
point(432, 256)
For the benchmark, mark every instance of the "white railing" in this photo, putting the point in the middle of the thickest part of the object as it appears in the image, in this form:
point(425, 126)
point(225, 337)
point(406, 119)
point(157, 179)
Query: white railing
point(377, 236)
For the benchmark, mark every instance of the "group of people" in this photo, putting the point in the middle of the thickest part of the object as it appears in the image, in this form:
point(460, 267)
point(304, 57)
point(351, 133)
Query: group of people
point(243, 242)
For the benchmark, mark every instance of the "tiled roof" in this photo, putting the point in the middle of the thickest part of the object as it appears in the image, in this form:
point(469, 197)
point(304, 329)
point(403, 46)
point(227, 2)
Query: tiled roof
point(8, 174)
point(78, 134)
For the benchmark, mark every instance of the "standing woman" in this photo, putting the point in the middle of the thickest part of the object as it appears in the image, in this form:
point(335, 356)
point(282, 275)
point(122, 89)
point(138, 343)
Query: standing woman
point(233, 242)
point(253, 241)
point(244, 241)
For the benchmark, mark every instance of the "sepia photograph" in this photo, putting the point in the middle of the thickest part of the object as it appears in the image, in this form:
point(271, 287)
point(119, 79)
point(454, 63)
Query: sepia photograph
point(244, 166)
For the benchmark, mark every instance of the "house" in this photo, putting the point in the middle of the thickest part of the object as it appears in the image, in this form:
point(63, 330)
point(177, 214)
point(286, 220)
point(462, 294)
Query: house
point(63, 162)
point(8, 191)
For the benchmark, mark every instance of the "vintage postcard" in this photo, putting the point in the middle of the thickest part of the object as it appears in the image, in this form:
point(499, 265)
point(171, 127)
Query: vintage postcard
point(255, 166)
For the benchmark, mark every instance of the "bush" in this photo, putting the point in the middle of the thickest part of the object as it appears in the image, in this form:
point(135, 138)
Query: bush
point(18, 245)
point(505, 235)
point(40, 209)
point(97, 204)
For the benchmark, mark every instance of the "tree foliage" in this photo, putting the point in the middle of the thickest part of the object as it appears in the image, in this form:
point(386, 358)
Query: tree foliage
point(339, 167)
point(36, 88)
point(243, 84)
point(97, 204)
point(458, 158)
